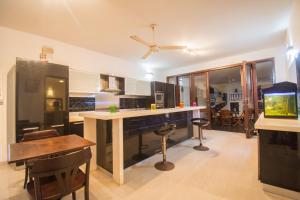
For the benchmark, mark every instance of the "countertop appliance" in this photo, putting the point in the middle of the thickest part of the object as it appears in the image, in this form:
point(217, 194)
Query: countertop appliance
point(159, 99)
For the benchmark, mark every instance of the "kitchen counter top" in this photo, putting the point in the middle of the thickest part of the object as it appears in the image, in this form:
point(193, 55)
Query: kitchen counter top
point(137, 113)
point(75, 118)
point(292, 125)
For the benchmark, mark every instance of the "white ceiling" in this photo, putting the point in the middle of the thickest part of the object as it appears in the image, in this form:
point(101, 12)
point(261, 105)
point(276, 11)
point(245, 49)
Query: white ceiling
point(218, 27)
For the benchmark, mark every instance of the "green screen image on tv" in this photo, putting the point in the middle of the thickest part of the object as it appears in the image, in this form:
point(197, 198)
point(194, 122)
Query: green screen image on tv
point(280, 104)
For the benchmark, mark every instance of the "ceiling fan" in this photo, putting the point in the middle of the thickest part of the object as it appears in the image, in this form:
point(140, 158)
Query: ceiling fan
point(154, 47)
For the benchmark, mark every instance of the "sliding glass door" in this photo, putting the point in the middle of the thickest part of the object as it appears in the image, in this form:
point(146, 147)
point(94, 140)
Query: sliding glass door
point(200, 92)
point(184, 83)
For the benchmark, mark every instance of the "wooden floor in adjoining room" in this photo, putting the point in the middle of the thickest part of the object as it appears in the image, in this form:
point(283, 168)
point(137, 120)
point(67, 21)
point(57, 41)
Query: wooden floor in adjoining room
point(227, 172)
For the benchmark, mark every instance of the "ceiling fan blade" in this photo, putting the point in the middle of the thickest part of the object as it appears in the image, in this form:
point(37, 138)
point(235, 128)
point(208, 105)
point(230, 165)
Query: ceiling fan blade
point(174, 47)
point(140, 40)
point(147, 54)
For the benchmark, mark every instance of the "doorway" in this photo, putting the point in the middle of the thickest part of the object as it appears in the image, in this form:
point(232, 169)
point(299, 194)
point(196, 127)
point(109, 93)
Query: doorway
point(225, 94)
point(236, 95)
point(232, 94)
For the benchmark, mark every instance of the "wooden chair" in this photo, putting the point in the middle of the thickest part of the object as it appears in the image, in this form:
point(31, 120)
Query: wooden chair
point(215, 116)
point(54, 178)
point(37, 135)
point(240, 119)
point(226, 118)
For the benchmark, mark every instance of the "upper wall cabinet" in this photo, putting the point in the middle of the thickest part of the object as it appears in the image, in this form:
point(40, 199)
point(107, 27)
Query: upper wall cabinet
point(83, 82)
point(130, 86)
point(137, 87)
point(143, 88)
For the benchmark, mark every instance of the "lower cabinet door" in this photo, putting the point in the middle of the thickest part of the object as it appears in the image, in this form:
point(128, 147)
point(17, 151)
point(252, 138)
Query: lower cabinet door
point(76, 128)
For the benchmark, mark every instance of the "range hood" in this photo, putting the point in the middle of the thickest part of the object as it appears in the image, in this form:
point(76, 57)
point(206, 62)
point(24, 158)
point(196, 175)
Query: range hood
point(110, 84)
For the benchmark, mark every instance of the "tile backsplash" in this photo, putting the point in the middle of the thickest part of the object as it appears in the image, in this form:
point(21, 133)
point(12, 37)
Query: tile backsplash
point(128, 103)
point(81, 104)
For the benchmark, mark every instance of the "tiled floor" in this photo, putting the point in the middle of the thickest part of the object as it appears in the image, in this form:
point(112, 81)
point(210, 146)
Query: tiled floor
point(227, 172)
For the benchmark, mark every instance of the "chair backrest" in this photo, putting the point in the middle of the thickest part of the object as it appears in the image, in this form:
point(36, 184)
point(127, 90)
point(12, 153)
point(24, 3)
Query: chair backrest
point(225, 113)
point(64, 168)
point(37, 135)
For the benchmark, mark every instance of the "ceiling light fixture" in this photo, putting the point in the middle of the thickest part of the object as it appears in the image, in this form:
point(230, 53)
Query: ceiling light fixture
point(149, 76)
point(192, 52)
point(153, 47)
point(291, 54)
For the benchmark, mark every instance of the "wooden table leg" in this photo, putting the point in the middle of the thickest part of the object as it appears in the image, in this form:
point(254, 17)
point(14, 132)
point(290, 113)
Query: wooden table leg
point(90, 133)
point(118, 157)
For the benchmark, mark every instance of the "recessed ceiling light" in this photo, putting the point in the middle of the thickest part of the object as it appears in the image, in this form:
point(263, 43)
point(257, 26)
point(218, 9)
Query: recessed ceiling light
point(61, 81)
point(192, 52)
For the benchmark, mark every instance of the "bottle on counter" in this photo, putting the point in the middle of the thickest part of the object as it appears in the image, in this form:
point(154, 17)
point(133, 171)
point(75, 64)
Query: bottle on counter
point(153, 106)
point(194, 103)
point(181, 105)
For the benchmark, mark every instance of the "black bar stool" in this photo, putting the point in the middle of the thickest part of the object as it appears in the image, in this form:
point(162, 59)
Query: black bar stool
point(200, 122)
point(164, 131)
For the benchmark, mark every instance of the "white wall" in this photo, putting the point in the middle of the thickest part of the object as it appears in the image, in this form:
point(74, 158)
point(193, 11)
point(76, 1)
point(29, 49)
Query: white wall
point(19, 44)
point(293, 38)
point(277, 52)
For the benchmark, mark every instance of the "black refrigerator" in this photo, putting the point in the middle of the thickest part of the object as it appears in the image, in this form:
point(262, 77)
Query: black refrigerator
point(42, 93)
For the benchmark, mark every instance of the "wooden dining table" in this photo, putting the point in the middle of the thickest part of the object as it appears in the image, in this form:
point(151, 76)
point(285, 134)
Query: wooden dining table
point(45, 147)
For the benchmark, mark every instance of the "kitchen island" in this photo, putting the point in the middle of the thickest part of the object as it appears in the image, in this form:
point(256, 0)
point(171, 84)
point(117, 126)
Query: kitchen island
point(279, 155)
point(122, 127)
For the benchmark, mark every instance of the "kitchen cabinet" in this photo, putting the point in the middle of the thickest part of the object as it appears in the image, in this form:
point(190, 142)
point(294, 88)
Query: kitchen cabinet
point(143, 88)
point(159, 86)
point(41, 97)
point(169, 92)
point(137, 87)
point(130, 86)
point(140, 141)
point(76, 128)
point(169, 96)
point(84, 82)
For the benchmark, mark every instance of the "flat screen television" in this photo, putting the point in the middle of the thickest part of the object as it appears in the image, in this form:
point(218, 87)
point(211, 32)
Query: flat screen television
point(280, 105)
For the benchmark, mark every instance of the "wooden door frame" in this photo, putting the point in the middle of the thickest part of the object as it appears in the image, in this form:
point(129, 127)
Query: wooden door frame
point(245, 97)
point(254, 81)
point(254, 90)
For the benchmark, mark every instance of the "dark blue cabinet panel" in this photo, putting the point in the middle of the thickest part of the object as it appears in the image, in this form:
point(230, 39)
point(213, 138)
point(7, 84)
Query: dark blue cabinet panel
point(279, 159)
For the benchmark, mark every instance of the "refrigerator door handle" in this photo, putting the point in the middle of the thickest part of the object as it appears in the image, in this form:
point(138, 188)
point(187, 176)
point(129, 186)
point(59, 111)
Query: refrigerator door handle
point(77, 123)
point(57, 125)
point(31, 128)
